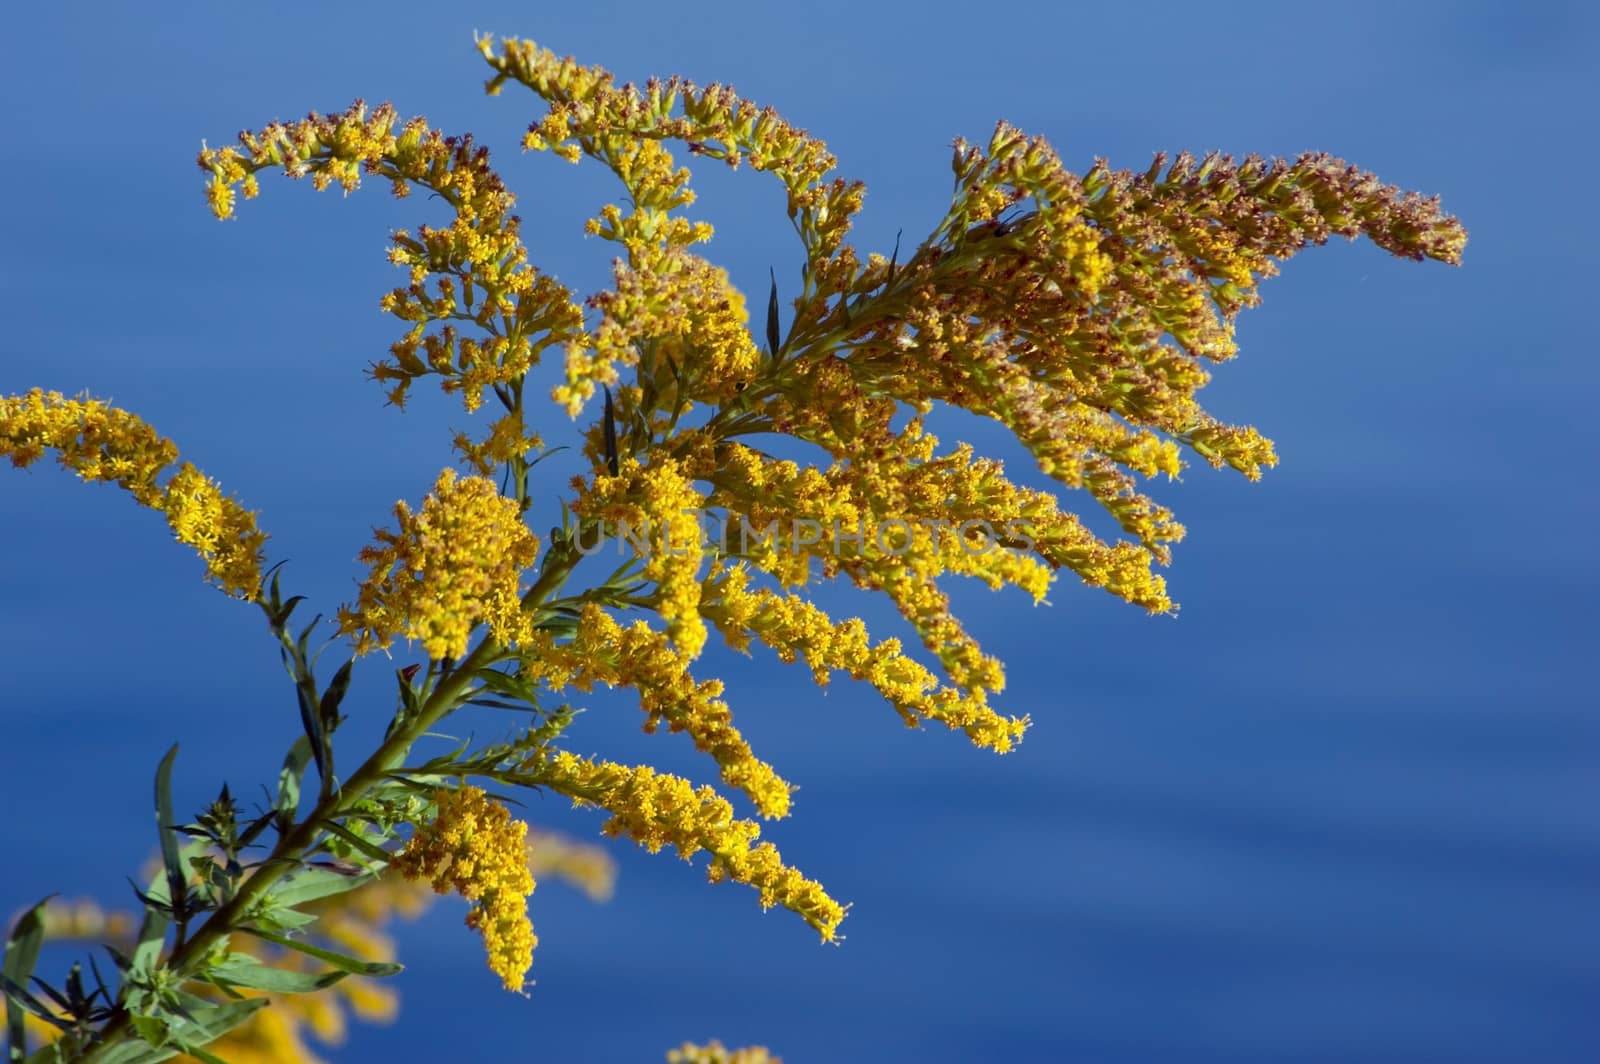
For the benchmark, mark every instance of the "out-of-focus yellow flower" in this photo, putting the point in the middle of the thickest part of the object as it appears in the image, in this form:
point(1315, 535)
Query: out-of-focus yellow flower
point(586, 866)
point(714, 1052)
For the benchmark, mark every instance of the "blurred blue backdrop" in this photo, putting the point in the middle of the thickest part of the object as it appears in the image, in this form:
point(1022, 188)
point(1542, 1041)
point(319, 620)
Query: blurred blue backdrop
point(1343, 808)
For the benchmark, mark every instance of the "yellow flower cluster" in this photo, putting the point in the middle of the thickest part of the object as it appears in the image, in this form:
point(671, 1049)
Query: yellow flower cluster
point(658, 506)
point(950, 515)
point(657, 810)
point(100, 442)
point(677, 318)
point(1077, 311)
point(506, 441)
point(590, 114)
point(480, 264)
point(214, 524)
point(642, 658)
point(670, 308)
point(715, 1052)
point(452, 566)
point(474, 848)
point(794, 627)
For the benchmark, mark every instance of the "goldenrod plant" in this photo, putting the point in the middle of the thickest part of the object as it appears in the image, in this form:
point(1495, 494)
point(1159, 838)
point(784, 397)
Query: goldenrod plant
point(1080, 312)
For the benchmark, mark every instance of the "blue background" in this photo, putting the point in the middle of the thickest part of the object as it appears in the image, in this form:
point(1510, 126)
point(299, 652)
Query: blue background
point(1343, 808)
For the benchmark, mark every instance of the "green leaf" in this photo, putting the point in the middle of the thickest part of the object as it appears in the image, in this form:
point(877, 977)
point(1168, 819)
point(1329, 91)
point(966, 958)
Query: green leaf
point(313, 883)
point(153, 1029)
point(241, 969)
point(773, 335)
point(610, 433)
point(290, 775)
point(350, 965)
point(49, 1054)
point(18, 997)
point(152, 936)
point(302, 645)
point(208, 1024)
point(546, 454)
point(177, 880)
point(202, 1055)
point(491, 703)
point(62, 1002)
point(22, 953)
point(334, 695)
point(375, 852)
point(559, 628)
point(153, 931)
point(282, 919)
point(122, 1053)
point(510, 686)
point(311, 721)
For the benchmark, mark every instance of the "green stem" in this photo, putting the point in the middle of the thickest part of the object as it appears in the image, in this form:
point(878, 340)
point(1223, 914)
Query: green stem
point(188, 957)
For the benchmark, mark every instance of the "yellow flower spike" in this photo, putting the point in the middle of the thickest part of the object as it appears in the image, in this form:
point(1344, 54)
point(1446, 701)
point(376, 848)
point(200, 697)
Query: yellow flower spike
point(506, 440)
point(604, 652)
point(100, 442)
point(224, 533)
point(475, 848)
point(455, 564)
point(521, 311)
point(657, 810)
point(793, 627)
point(660, 505)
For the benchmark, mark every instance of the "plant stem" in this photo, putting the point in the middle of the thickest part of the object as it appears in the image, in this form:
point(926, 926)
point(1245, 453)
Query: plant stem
point(188, 956)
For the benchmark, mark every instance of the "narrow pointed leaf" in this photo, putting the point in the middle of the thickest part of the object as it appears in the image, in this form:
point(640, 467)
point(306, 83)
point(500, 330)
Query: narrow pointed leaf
point(491, 703)
point(311, 721)
point(375, 852)
point(205, 1025)
point(124, 1053)
point(22, 953)
point(350, 965)
point(202, 1055)
point(510, 686)
point(17, 996)
point(772, 315)
point(313, 883)
point(290, 775)
point(610, 431)
point(334, 695)
point(303, 644)
point(62, 1002)
point(240, 969)
point(233, 995)
point(176, 878)
point(99, 979)
point(153, 931)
